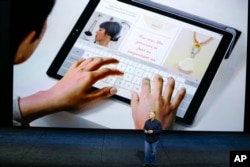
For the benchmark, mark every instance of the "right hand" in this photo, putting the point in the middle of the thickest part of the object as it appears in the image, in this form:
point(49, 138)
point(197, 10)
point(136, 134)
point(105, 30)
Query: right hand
point(72, 91)
point(159, 100)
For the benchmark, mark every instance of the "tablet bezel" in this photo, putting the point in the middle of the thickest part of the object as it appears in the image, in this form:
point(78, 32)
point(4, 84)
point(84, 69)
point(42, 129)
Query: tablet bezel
point(204, 85)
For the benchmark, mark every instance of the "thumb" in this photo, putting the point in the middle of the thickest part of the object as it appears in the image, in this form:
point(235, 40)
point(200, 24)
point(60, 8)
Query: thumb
point(102, 93)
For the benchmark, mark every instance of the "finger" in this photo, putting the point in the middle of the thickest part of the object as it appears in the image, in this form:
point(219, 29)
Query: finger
point(102, 93)
point(103, 73)
point(178, 98)
point(158, 82)
point(93, 64)
point(85, 62)
point(75, 64)
point(145, 87)
point(134, 100)
point(167, 94)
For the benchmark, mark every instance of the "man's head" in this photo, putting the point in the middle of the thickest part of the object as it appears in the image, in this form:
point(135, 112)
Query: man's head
point(152, 115)
point(27, 22)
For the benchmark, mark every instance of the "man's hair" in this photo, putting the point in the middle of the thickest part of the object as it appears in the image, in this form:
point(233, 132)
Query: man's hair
point(26, 16)
point(154, 112)
point(112, 28)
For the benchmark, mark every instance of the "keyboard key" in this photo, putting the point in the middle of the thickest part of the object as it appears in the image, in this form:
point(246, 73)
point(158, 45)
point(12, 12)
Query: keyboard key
point(137, 80)
point(138, 72)
point(111, 80)
point(128, 77)
point(147, 74)
point(119, 82)
point(130, 69)
point(121, 66)
point(191, 90)
point(137, 88)
point(128, 86)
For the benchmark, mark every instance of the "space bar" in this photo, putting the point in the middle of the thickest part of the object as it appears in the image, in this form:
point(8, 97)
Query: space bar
point(121, 92)
point(124, 93)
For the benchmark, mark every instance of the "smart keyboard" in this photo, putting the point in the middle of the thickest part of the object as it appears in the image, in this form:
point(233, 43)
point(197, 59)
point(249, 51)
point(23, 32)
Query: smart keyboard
point(134, 71)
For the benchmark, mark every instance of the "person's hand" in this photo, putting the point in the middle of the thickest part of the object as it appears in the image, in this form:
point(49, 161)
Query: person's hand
point(150, 131)
point(158, 100)
point(73, 90)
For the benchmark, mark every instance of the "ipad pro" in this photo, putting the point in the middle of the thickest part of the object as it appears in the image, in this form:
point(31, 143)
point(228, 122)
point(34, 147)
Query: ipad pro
point(148, 40)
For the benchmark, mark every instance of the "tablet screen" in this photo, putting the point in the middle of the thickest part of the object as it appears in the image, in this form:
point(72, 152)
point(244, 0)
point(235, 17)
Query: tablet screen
point(147, 41)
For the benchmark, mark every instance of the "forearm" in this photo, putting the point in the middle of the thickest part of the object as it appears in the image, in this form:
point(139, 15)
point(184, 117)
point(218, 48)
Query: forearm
point(36, 106)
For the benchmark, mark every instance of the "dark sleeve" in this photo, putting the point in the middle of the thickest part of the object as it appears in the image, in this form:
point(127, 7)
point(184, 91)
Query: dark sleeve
point(159, 128)
point(145, 126)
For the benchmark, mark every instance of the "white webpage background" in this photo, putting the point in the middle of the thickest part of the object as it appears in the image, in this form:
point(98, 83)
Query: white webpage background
point(150, 36)
point(221, 110)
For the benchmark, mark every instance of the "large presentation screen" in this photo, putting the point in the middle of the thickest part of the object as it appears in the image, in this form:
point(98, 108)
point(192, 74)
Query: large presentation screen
point(148, 42)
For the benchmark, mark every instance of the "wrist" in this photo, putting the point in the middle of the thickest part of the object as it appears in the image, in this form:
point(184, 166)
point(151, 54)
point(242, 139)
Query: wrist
point(36, 105)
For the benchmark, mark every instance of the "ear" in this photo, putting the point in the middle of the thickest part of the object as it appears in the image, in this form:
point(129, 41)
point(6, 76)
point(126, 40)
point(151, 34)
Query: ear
point(26, 47)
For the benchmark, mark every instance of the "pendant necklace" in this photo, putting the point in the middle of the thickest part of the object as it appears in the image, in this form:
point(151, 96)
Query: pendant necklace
point(187, 65)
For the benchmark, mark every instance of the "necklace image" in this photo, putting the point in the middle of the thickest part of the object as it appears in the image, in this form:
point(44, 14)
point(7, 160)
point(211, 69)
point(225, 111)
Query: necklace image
point(187, 65)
